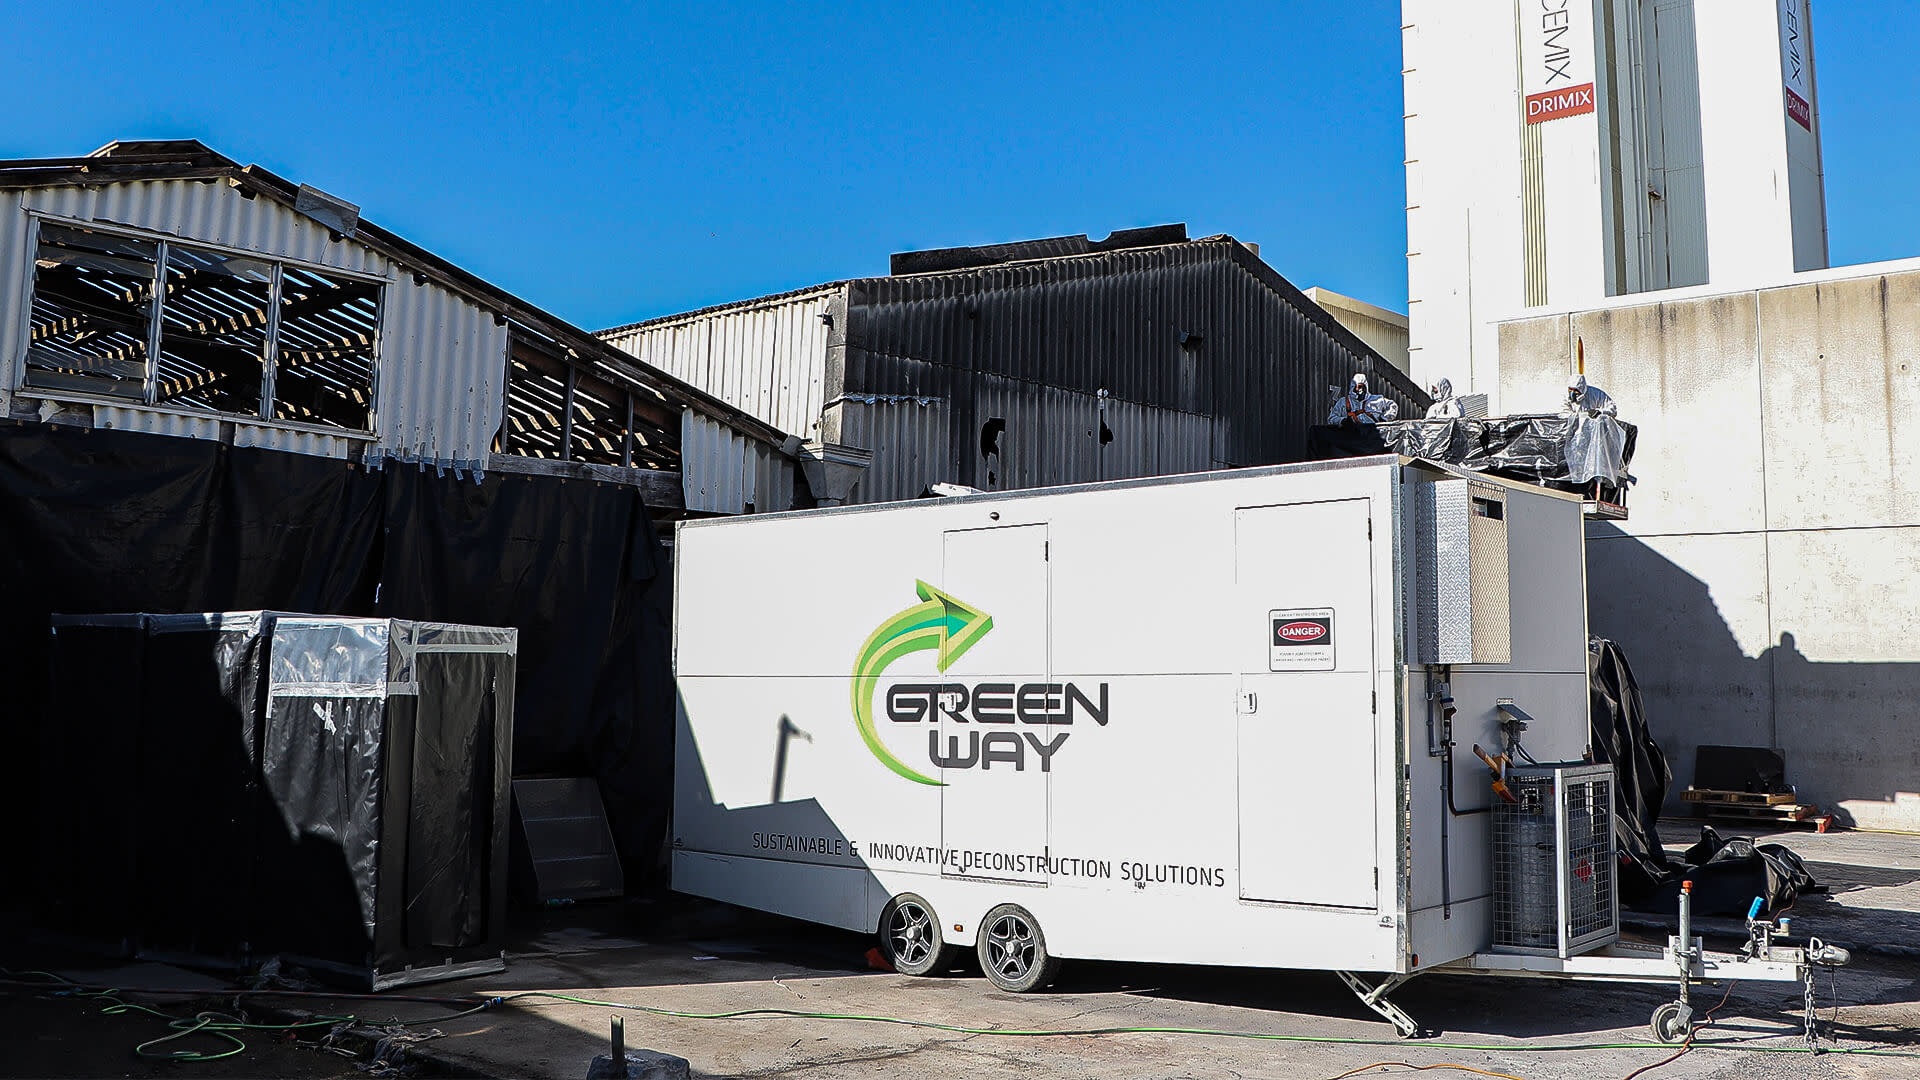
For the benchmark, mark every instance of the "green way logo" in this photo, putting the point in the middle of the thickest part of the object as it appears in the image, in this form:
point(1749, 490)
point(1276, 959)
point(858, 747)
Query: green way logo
point(938, 622)
point(978, 725)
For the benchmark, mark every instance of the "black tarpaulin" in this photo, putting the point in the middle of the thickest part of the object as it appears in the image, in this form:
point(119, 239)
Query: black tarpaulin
point(577, 568)
point(330, 790)
point(196, 810)
point(84, 886)
point(450, 862)
point(105, 521)
point(386, 761)
point(323, 759)
point(1619, 737)
point(1728, 874)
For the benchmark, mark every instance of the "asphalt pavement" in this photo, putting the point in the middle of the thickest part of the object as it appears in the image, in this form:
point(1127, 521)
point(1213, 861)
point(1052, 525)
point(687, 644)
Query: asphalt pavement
point(803, 1001)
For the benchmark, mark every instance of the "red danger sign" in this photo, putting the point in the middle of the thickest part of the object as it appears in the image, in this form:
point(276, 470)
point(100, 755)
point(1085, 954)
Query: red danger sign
point(1554, 104)
point(1300, 632)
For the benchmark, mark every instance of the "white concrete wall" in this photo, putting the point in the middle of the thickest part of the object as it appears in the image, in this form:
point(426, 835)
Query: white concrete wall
point(1767, 585)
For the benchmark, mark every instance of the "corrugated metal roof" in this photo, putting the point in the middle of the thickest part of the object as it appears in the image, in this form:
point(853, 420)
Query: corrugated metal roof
point(769, 300)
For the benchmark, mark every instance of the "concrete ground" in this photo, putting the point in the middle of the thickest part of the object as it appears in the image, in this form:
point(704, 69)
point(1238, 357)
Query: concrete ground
point(709, 959)
point(695, 958)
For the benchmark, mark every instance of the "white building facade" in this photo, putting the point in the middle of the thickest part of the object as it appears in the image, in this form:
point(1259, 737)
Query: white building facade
point(1561, 152)
point(1635, 186)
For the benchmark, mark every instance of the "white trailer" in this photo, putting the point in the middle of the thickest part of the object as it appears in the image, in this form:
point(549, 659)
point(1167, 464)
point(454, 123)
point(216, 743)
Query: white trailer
point(1203, 719)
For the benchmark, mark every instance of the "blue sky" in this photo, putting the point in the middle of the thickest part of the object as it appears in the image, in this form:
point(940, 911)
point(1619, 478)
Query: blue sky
point(614, 162)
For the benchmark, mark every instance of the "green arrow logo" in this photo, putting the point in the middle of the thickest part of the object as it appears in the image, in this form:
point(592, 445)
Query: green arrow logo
point(938, 622)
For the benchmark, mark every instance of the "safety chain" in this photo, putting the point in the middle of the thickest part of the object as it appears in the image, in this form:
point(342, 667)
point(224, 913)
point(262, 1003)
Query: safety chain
point(1813, 1041)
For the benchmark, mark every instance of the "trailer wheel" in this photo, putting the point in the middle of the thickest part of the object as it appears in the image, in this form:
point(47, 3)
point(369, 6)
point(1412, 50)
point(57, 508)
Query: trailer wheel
point(1013, 951)
point(910, 936)
point(1671, 1022)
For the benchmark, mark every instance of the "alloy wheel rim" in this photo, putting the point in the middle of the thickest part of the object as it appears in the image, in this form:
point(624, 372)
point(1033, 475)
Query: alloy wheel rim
point(911, 933)
point(1010, 947)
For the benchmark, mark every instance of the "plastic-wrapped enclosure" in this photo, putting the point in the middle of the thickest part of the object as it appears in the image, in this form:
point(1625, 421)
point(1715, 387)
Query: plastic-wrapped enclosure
point(329, 790)
point(1563, 451)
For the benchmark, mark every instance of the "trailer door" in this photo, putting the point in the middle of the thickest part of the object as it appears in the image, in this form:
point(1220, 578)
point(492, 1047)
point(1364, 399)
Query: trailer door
point(994, 804)
point(1303, 626)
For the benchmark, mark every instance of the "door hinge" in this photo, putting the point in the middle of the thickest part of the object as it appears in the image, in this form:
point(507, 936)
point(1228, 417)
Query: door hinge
point(1369, 528)
point(1046, 551)
point(1376, 701)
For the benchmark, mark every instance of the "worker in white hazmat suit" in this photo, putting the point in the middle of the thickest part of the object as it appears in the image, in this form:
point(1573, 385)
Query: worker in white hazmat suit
point(1584, 400)
point(1445, 406)
point(1357, 406)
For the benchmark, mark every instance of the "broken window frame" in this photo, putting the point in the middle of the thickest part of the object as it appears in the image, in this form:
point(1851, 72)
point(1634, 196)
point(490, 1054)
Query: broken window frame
point(176, 261)
point(121, 387)
point(68, 388)
point(557, 405)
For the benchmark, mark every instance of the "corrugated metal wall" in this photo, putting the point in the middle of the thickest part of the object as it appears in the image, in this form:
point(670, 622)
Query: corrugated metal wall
point(443, 371)
point(766, 358)
point(722, 472)
point(917, 449)
point(1208, 358)
point(187, 425)
point(442, 359)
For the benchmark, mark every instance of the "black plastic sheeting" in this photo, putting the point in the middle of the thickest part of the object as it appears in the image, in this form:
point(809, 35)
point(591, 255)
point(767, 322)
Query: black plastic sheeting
point(1529, 448)
point(333, 791)
point(1620, 737)
point(1727, 874)
point(105, 521)
point(386, 777)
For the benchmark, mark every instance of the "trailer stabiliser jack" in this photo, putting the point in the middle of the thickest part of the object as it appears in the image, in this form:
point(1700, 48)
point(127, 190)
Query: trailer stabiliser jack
point(1375, 998)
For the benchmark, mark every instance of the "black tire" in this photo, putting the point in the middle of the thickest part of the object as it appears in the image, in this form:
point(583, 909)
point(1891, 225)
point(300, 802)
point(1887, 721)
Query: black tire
point(910, 936)
point(1013, 951)
point(1669, 1024)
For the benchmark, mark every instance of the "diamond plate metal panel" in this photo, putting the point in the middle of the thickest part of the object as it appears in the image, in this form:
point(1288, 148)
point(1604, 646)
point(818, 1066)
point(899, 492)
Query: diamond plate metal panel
point(1461, 603)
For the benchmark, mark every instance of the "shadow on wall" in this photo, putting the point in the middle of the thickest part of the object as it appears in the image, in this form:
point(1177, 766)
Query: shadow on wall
point(796, 831)
point(1846, 729)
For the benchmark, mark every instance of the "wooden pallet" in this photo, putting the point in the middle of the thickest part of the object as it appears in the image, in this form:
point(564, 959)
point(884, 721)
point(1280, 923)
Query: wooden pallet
point(1781, 812)
point(1751, 798)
